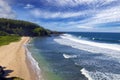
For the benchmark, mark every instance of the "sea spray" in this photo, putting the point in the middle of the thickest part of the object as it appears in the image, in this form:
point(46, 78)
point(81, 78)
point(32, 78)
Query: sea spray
point(69, 56)
point(86, 73)
point(33, 63)
point(91, 43)
point(90, 46)
point(96, 57)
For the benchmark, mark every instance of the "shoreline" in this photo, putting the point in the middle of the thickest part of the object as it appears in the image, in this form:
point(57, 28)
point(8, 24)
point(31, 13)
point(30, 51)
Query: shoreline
point(13, 58)
point(33, 65)
point(33, 75)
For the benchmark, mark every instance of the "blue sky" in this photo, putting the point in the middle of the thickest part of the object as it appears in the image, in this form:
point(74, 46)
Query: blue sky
point(66, 15)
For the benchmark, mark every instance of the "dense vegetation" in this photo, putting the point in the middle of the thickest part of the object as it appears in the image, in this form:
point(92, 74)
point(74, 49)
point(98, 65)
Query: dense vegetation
point(21, 28)
point(4, 40)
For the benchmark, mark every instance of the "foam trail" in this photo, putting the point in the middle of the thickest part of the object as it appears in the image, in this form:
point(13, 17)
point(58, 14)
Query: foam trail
point(86, 73)
point(69, 56)
point(101, 45)
point(104, 76)
point(110, 50)
point(99, 75)
point(33, 63)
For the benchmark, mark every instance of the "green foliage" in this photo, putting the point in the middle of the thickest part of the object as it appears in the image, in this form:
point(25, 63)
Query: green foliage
point(40, 31)
point(37, 31)
point(3, 33)
point(22, 28)
point(4, 40)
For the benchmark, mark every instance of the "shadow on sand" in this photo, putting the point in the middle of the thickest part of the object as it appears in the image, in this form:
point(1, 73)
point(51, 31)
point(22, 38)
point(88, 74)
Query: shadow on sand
point(4, 73)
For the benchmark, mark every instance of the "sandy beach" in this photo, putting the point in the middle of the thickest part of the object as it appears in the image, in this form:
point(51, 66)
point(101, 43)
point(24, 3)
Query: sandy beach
point(13, 58)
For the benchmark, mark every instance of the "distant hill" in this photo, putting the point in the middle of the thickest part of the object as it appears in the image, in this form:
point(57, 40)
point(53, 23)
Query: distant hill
point(21, 28)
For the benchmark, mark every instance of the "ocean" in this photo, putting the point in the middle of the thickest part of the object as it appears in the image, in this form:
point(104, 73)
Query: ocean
point(76, 56)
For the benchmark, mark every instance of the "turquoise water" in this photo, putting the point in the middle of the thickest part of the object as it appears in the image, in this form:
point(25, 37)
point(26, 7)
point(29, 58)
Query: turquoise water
point(51, 61)
point(71, 57)
point(46, 68)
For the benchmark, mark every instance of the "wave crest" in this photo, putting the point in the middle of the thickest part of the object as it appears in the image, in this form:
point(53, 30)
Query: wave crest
point(69, 56)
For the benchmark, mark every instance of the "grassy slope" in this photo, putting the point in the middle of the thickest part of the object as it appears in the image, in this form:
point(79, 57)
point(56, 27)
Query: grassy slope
point(4, 40)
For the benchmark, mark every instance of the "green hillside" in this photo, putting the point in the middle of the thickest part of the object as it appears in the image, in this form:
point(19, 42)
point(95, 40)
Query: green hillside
point(21, 28)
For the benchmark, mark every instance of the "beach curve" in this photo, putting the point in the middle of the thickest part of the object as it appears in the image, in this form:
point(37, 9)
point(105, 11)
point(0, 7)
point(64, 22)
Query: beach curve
point(13, 58)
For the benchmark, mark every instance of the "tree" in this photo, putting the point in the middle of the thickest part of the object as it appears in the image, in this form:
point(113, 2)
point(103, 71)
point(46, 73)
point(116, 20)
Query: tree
point(22, 28)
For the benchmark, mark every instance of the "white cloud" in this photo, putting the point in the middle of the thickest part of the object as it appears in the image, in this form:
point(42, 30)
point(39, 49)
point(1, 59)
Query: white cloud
point(28, 6)
point(98, 16)
point(84, 27)
point(109, 15)
point(78, 2)
point(46, 14)
point(5, 10)
point(107, 1)
point(104, 16)
point(69, 2)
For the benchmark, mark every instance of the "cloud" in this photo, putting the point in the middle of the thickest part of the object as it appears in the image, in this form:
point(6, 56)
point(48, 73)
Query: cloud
point(47, 14)
point(28, 6)
point(74, 3)
point(72, 14)
point(5, 10)
point(69, 2)
point(107, 1)
point(100, 17)
point(97, 15)
point(109, 15)
point(84, 27)
point(104, 16)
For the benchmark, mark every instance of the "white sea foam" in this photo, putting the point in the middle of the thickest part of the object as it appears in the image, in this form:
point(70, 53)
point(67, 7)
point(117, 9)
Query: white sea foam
point(101, 45)
point(93, 38)
point(69, 56)
point(33, 63)
point(86, 73)
point(99, 75)
point(111, 50)
point(104, 76)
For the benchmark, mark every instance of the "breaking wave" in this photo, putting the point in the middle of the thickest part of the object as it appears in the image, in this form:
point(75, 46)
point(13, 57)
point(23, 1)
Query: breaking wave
point(112, 50)
point(69, 56)
point(110, 57)
point(86, 73)
point(33, 63)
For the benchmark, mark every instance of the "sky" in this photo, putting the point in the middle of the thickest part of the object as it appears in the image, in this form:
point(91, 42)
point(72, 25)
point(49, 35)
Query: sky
point(66, 15)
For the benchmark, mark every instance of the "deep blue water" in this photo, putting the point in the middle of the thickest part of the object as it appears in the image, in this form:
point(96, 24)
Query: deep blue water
point(99, 37)
point(78, 56)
